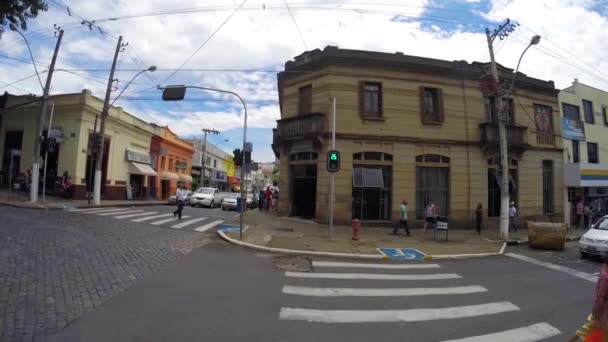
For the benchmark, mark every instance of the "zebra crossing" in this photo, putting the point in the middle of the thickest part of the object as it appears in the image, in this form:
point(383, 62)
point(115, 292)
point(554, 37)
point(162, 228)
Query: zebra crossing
point(153, 218)
point(341, 293)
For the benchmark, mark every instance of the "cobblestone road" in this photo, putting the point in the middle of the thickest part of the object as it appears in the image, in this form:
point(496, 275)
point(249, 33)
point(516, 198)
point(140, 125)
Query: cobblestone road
point(55, 266)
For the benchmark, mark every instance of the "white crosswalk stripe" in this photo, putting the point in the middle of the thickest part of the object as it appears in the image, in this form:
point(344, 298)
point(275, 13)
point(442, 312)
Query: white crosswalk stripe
point(208, 226)
point(84, 210)
point(372, 276)
point(148, 218)
point(145, 213)
point(396, 301)
point(186, 223)
point(100, 211)
point(531, 333)
point(409, 315)
point(158, 223)
point(389, 292)
point(120, 213)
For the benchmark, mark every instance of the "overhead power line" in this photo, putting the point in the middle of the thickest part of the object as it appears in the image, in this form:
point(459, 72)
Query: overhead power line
point(296, 25)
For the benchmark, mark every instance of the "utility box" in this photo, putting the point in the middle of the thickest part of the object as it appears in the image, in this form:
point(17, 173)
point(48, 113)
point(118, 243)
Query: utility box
point(546, 235)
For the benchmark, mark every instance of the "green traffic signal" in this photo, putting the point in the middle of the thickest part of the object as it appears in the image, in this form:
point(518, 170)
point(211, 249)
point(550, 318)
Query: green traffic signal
point(333, 156)
point(333, 161)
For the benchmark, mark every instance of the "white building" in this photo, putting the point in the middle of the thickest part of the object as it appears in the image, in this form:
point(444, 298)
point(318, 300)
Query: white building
point(217, 167)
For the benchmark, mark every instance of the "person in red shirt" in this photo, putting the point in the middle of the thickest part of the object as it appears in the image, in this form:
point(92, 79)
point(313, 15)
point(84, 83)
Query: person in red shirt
point(268, 199)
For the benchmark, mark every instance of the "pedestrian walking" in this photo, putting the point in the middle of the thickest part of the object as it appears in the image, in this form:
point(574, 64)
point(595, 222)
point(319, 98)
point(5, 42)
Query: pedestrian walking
point(268, 199)
point(180, 199)
point(512, 217)
point(402, 219)
point(431, 213)
point(479, 217)
point(261, 200)
point(589, 216)
point(580, 213)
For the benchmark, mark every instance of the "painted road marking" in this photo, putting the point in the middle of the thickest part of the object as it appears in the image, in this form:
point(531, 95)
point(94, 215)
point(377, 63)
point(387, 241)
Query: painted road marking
point(108, 211)
point(158, 223)
point(121, 212)
point(208, 226)
point(185, 223)
point(374, 276)
point(412, 315)
point(147, 218)
point(402, 253)
point(135, 215)
point(531, 333)
point(92, 209)
point(370, 265)
point(357, 292)
point(570, 271)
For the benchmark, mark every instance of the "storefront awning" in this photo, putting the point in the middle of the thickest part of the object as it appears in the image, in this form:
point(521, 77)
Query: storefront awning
point(141, 169)
point(185, 178)
point(586, 175)
point(169, 176)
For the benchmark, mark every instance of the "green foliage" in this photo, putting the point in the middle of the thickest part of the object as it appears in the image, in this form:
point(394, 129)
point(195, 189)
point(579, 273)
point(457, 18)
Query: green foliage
point(18, 12)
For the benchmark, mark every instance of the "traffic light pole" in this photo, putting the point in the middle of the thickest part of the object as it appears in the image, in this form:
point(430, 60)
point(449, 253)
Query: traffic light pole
point(333, 174)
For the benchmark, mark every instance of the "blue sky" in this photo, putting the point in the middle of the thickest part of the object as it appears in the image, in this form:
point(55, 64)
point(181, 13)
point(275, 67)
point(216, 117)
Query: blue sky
point(245, 53)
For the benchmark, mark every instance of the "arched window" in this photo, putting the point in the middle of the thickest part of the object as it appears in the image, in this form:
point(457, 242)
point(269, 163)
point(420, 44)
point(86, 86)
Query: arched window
point(432, 184)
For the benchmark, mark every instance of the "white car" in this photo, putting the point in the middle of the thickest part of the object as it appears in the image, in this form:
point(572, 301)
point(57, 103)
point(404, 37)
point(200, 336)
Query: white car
point(229, 202)
point(595, 240)
point(207, 197)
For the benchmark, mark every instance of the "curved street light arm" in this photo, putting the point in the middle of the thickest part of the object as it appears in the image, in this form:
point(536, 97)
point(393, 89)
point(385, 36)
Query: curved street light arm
point(32, 57)
point(125, 88)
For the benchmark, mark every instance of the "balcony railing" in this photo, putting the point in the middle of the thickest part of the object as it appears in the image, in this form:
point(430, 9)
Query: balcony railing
point(517, 136)
point(302, 126)
point(545, 139)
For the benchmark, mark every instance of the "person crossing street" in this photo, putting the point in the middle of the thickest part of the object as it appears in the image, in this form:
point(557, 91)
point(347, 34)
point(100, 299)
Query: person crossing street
point(180, 198)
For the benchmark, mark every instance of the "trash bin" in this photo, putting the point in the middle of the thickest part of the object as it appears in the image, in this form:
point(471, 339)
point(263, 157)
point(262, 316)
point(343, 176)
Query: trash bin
point(441, 225)
point(546, 235)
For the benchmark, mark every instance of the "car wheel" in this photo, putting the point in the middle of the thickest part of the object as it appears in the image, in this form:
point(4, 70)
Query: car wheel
point(212, 204)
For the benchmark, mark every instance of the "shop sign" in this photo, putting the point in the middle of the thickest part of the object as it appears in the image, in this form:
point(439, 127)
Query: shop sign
point(218, 176)
point(573, 129)
point(196, 172)
point(234, 180)
point(181, 165)
point(138, 157)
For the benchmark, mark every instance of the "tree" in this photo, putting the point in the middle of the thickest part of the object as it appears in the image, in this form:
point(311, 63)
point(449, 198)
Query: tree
point(18, 12)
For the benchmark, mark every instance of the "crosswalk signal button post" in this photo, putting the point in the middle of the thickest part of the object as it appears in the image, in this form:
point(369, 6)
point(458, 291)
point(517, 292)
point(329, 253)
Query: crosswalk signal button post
point(333, 161)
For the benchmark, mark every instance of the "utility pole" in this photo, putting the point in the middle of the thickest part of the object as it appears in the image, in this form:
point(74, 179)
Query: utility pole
point(41, 119)
point(102, 126)
point(204, 157)
point(501, 32)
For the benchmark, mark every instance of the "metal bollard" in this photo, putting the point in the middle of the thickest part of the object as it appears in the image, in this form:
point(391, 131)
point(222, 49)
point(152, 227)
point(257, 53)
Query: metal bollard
point(356, 224)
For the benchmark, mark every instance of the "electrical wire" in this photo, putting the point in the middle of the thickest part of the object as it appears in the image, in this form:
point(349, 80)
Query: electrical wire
point(296, 25)
point(207, 40)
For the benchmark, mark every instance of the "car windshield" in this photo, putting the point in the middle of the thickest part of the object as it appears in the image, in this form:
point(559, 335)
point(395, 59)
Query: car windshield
point(602, 224)
point(206, 191)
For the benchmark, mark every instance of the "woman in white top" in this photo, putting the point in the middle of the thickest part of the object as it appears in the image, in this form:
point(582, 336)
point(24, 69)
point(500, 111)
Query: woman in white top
point(431, 213)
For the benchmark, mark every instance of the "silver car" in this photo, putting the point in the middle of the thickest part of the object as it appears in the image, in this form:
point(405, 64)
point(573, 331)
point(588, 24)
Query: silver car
point(595, 240)
point(229, 202)
point(205, 197)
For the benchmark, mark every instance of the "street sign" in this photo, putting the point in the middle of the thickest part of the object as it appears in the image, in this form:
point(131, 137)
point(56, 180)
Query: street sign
point(181, 165)
point(402, 253)
point(333, 161)
point(248, 147)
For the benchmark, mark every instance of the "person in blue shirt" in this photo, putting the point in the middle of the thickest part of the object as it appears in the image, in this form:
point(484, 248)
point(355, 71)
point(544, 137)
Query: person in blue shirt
point(402, 219)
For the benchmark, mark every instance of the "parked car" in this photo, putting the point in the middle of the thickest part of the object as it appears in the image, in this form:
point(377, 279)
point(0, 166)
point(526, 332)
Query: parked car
point(229, 202)
point(595, 240)
point(207, 197)
point(173, 201)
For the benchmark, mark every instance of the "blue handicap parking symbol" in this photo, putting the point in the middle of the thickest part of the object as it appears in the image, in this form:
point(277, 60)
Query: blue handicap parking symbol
point(402, 253)
point(230, 227)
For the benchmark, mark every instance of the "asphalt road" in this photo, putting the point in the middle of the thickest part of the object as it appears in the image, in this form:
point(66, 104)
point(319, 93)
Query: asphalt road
point(224, 293)
point(569, 257)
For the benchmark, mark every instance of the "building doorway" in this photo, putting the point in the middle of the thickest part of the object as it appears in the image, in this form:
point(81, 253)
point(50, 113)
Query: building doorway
point(303, 184)
point(136, 182)
point(12, 141)
point(432, 184)
point(494, 185)
point(164, 185)
point(372, 186)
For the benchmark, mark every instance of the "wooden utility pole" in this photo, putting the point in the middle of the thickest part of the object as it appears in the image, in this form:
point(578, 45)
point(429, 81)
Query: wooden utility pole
point(204, 157)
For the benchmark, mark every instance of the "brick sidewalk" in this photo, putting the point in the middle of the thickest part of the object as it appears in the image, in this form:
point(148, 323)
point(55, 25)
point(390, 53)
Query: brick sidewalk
point(280, 232)
point(21, 199)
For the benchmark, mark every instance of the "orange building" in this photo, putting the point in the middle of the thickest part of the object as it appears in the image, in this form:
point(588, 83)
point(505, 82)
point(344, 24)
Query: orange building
point(172, 159)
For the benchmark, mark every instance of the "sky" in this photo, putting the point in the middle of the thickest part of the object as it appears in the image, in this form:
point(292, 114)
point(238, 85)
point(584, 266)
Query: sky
point(240, 45)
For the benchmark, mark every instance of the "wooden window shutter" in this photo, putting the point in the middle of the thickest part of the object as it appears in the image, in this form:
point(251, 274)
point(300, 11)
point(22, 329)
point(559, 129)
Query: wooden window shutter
point(380, 100)
point(422, 110)
point(441, 115)
point(361, 98)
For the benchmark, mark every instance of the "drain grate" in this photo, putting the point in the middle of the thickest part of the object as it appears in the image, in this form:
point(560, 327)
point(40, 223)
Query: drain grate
point(292, 263)
point(281, 229)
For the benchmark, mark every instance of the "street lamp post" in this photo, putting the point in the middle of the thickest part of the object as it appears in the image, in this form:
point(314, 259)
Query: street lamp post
point(45, 96)
point(177, 93)
point(104, 114)
point(502, 120)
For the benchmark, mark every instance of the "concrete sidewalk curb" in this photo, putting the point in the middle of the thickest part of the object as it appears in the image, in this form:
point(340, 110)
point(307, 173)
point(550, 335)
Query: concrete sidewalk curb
point(298, 252)
point(501, 252)
point(350, 255)
point(75, 206)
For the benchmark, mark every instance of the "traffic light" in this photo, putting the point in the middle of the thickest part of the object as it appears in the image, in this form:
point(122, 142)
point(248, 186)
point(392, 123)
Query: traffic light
point(238, 157)
point(333, 161)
